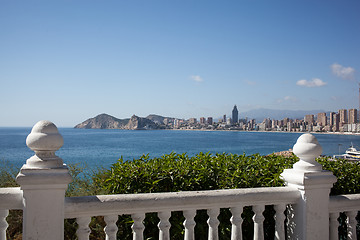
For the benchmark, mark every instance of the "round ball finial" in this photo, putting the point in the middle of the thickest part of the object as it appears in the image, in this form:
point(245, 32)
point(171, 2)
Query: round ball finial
point(44, 136)
point(307, 148)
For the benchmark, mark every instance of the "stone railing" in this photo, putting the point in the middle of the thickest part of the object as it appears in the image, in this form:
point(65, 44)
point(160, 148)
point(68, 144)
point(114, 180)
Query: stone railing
point(43, 180)
point(136, 205)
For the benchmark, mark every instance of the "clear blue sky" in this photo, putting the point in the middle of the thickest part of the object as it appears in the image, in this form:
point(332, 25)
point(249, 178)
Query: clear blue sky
point(67, 61)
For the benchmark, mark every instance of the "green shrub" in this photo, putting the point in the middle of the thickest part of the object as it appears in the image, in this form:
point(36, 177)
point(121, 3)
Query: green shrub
point(179, 172)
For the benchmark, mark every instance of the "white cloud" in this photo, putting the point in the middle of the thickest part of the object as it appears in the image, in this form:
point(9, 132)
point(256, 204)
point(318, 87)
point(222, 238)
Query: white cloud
point(315, 82)
point(342, 72)
point(196, 78)
point(287, 99)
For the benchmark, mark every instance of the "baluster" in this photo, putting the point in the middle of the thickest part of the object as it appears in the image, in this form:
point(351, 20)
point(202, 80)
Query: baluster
point(164, 225)
point(138, 226)
point(334, 226)
point(279, 221)
point(236, 221)
point(258, 219)
point(83, 231)
point(351, 224)
point(110, 228)
point(189, 224)
point(213, 223)
point(3, 223)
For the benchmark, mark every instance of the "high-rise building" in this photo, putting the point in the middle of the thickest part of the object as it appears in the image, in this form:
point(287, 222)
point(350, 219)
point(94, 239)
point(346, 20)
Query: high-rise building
point(309, 119)
point(322, 119)
point(202, 120)
point(235, 115)
point(352, 116)
point(210, 120)
point(343, 117)
point(192, 121)
point(336, 122)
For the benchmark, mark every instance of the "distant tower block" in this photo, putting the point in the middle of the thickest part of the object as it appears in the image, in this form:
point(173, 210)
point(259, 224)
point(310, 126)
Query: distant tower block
point(235, 115)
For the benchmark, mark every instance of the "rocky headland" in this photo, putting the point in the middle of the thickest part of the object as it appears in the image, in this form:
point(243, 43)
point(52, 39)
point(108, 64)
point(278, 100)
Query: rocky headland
point(105, 121)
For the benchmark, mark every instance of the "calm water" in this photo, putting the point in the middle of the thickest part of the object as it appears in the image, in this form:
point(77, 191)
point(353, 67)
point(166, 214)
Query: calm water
point(96, 147)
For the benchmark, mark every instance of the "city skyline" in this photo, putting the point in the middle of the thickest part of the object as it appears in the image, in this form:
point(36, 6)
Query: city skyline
point(68, 61)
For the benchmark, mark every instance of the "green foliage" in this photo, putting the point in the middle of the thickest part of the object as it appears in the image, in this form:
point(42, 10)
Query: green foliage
point(179, 172)
point(347, 174)
point(8, 175)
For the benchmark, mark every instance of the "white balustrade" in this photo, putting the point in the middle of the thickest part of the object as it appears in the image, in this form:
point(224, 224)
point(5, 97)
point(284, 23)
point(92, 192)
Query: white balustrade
point(138, 226)
point(164, 225)
point(236, 221)
point(213, 223)
point(258, 219)
point(351, 224)
point(279, 221)
point(189, 224)
point(44, 177)
point(111, 228)
point(334, 225)
point(314, 186)
point(3, 223)
point(350, 205)
point(83, 231)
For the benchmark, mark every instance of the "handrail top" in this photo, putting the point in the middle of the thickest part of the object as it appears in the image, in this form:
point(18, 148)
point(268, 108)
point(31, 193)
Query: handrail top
point(177, 201)
point(208, 193)
point(341, 203)
point(11, 198)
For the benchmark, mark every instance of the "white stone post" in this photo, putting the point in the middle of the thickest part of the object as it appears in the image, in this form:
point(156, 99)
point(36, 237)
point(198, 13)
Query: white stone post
point(309, 217)
point(44, 179)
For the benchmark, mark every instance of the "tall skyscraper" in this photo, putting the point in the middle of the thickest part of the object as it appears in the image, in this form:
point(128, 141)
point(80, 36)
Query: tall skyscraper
point(332, 119)
point(321, 119)
point(343, 117)
point(235, 115)
point(309, 119)
point(352, 115)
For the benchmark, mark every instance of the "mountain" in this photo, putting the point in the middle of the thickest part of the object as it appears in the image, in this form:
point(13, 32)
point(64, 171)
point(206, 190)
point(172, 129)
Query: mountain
point(158, 119)
point(137, 123)
point(262, 113)
point(105, 121)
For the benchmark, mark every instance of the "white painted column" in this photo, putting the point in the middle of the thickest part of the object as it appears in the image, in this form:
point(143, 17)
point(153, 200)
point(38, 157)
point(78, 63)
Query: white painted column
point(3, 223)
point(258, 220)
point(236, 221)
point(44, 179)
point(279, 221)
point(111, 227)
point(138, 225)
point(310, 217)
point(213, 223)
point(189, 224)
point(83, 231)
point(164, 225)
point(351, 224)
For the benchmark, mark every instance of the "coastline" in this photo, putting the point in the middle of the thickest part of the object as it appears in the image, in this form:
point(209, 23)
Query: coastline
point(253, 131)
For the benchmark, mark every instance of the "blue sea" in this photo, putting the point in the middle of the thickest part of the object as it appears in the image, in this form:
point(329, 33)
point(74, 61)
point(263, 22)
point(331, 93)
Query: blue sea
point(101, 148)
